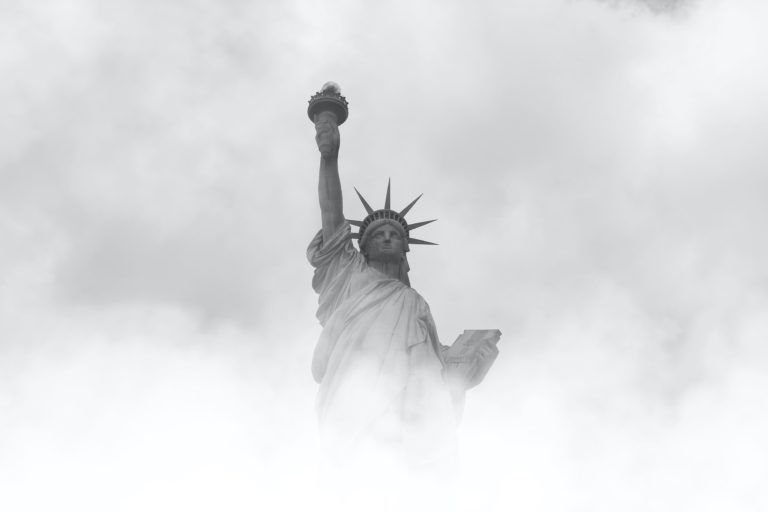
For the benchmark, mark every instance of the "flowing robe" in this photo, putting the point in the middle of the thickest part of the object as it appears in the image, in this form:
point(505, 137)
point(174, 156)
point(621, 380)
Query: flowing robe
point(378, 360)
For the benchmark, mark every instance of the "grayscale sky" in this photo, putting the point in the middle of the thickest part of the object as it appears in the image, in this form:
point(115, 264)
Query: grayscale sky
point(598, 170)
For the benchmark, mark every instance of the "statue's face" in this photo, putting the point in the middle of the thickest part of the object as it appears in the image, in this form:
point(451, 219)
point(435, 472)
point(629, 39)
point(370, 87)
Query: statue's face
point(385, 244)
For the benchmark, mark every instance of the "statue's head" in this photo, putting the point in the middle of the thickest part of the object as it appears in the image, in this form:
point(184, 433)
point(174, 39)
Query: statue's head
point(385, 235)
point(384, 240)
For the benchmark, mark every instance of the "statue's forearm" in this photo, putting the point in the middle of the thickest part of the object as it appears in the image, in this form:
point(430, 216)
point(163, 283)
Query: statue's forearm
point(329, 192)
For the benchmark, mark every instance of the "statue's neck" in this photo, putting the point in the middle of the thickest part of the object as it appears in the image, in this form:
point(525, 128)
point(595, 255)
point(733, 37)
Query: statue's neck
point(389, 269)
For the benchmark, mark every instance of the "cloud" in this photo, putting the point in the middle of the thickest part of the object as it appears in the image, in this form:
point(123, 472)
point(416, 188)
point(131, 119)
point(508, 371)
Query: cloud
point(597, 174)
point(656, 6)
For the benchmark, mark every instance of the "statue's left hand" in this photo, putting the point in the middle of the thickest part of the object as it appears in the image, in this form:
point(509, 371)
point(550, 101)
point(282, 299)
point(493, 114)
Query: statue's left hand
point(471, 373)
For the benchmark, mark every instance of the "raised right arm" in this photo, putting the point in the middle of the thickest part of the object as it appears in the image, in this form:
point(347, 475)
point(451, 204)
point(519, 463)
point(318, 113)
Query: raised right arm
point(329, 185)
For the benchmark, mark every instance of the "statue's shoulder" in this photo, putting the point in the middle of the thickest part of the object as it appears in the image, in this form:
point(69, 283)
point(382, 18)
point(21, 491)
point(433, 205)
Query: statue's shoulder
point(336, 249)
point(419, 302)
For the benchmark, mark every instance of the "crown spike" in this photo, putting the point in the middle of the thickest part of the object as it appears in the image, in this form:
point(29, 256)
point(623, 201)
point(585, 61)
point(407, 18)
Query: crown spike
point(408, 208)
point(368, 208)
point(419, 224)
point(357, 223)
point(419, 242)
point(386, 200)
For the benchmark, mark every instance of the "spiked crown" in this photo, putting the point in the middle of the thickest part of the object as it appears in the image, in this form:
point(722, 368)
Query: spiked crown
point(389, 216)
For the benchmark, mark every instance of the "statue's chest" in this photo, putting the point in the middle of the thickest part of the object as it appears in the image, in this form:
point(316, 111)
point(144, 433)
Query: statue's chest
point(371, 285)
point(368, 279)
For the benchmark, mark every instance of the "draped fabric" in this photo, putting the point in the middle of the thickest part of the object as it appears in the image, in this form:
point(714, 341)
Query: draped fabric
point(378, 358)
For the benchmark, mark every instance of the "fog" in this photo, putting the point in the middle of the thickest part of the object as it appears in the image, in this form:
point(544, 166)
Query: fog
point(598, 174)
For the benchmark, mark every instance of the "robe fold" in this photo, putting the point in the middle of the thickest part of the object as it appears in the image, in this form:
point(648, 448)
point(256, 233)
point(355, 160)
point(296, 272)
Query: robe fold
point(378, 360)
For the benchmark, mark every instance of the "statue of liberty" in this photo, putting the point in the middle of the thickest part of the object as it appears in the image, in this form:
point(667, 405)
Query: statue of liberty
point(385, 379)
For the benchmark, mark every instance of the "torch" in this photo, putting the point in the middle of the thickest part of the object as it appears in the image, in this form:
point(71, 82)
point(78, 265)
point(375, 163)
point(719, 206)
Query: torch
point(329, 99)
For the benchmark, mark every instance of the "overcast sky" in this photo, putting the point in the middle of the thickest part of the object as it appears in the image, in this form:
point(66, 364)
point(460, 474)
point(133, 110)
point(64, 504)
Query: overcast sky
point(598, 170)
